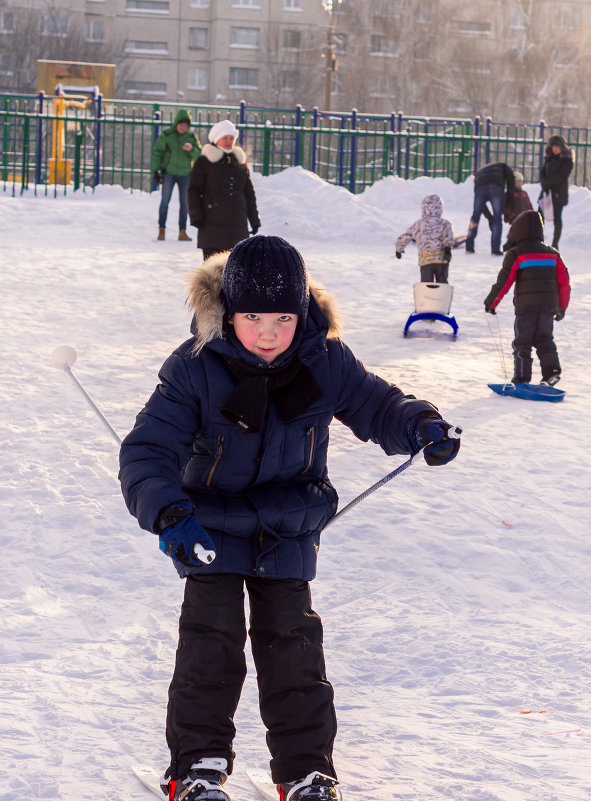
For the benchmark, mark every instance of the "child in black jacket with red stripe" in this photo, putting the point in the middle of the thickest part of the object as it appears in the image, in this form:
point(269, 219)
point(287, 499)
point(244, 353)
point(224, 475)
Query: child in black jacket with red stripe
point(542, 292)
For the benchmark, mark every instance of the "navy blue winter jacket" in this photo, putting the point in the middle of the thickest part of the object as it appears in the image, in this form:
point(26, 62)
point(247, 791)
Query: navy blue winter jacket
point(263, 497)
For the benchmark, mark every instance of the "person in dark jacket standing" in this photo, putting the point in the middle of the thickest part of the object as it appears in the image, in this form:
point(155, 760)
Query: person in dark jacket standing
point(172, 159)
point(542, 292)
point(490, 184)
point(222, 200)
point(557, 166)
point(227, 465)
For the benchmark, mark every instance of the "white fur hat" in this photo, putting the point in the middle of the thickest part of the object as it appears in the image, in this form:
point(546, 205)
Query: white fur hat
point(222, 128)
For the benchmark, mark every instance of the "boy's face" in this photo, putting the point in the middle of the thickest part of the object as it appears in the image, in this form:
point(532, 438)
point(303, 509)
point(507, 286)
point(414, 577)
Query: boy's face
point(267, 335)
point(182, 127)
point(518, 183)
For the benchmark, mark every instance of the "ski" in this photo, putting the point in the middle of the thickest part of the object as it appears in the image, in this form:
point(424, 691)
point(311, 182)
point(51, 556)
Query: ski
point(535, 392)
point(263, 783)
point(150, 778)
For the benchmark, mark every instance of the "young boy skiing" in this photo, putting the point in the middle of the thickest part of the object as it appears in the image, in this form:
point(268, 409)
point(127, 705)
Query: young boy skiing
point(227, 465)
point(434, 238)
point(542, 292)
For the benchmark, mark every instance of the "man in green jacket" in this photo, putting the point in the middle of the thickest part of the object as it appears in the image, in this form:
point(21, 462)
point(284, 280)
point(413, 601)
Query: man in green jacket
point(172, 158)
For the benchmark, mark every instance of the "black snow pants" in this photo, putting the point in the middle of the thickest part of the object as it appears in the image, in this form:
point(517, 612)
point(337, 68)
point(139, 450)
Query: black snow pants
point(534, 329)
point(295, 698)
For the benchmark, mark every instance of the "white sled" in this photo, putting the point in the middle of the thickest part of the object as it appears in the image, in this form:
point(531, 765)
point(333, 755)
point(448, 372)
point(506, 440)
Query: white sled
point(432, 302)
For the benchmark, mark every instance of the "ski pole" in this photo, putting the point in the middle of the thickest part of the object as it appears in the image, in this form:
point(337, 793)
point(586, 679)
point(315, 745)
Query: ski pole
point(64, 357)
point(453, 433)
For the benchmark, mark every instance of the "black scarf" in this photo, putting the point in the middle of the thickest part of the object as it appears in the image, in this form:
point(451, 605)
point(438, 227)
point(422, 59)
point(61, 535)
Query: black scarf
point(292, 387)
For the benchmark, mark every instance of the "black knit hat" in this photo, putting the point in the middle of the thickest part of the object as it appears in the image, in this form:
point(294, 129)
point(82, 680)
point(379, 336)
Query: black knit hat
point(265, 274)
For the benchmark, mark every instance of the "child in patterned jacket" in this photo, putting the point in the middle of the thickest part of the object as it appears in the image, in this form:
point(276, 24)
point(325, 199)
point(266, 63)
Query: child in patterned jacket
point(434, 238)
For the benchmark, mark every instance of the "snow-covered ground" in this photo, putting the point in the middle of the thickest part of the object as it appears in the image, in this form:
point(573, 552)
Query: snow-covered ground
point(453, 599)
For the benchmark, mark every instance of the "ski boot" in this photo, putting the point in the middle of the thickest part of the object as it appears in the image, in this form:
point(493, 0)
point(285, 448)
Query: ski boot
point(203, 782)
point(314, 787)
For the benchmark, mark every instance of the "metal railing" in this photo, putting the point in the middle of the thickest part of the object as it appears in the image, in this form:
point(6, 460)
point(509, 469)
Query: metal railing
point(52, 147)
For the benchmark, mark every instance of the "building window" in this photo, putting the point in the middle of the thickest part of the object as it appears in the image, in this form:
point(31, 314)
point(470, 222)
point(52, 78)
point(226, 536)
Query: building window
point(246, 3)
point(288, 80)
point(145, 88)
point(474, 67)
point(569, 17)
point(517, 19)
point(7, 22)
point(292, 40)
point(421, 51)
point(292, 5)
point(424, 12)
point(150, 6)
point(341, 43)
point(381, 45)
point(198, 38)
point(53, 26)
point(473, 27)
point(95, 30)
point(153, 48)
point(387, 8)
point(383, 86)
point(245, 37)
point(197, 78)
point(243, 78)
point(199, 4)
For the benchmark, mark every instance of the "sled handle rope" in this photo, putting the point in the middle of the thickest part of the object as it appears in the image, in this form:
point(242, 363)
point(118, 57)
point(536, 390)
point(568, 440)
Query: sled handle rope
point(498, 340)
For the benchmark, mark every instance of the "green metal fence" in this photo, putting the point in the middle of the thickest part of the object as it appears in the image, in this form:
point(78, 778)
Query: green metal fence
point(53, 148)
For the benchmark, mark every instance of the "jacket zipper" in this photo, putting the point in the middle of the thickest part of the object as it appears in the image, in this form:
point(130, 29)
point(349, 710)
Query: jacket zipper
point(218, 455)
point(311, 432)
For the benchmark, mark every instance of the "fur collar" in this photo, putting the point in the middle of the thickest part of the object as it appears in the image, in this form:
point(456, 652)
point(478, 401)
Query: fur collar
point(204, 289)
point(214, 153)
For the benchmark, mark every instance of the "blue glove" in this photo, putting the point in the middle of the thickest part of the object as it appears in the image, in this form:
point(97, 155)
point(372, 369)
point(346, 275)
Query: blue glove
point(440, 448)
point(183, 538)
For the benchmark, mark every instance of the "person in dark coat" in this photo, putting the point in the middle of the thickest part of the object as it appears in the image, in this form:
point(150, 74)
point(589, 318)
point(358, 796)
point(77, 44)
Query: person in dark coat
point(222, 200)
point(542, 292)
point(554, 172)
point(227, 465)
point(490, 183)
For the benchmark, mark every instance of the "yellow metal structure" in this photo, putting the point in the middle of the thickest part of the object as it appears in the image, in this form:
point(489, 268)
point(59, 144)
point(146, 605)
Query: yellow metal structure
point(60, 169)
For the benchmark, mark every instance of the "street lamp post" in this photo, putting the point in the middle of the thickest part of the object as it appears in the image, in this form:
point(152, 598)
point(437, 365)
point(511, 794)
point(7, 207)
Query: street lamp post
point(331, 59)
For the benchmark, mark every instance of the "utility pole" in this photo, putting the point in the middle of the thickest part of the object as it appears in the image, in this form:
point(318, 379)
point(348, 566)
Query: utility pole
point(331, 64)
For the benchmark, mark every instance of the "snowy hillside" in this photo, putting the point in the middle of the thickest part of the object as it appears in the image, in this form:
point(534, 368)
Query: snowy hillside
point(453, 599)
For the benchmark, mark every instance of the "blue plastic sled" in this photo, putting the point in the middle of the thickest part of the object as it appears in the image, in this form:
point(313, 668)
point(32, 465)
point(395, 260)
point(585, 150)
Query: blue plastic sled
point(535, 392)
point(432, 302)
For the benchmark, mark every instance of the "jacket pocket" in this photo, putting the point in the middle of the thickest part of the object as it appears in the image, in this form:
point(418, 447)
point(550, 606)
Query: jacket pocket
point(218, 456)
point(310, 448)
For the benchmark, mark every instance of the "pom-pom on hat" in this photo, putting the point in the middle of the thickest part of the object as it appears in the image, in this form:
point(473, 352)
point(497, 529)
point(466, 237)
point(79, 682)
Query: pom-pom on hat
point(222, 128)
point(265, 274)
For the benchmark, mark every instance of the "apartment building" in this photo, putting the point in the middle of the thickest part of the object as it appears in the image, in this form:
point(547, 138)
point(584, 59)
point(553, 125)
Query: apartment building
point(512, 59)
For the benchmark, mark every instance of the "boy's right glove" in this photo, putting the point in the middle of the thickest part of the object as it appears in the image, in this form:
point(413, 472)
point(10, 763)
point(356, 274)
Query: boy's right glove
point(399, 254)
point(183, 538)
point(560, 315)
point(157, 177)
point(439, 447)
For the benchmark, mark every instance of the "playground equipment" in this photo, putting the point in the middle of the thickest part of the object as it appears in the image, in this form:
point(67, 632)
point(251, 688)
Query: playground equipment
point(432, 302)
point(60, 168)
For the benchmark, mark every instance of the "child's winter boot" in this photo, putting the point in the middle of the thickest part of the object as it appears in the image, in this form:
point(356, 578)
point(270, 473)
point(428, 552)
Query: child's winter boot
point(161, 233)
point(315, 787)
point(203, 782)
point(183, 236)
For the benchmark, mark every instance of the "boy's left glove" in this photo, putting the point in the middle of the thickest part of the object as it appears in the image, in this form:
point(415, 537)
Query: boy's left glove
point(441, 439)
point(399, 254)
point(183, 538)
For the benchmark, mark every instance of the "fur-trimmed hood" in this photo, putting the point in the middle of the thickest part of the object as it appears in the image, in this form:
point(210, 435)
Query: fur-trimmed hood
point(204, 299)
point(214, 153)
